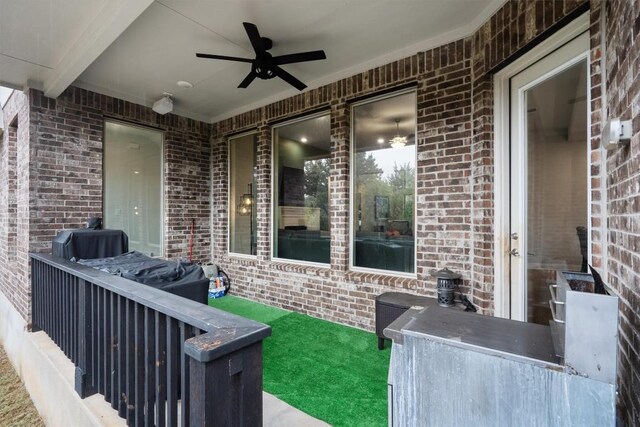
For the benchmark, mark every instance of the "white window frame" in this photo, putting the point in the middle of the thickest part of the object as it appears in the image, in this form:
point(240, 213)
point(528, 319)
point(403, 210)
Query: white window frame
point(351, 244)
point(272, 221)
point(162, 176)
point(229, 142)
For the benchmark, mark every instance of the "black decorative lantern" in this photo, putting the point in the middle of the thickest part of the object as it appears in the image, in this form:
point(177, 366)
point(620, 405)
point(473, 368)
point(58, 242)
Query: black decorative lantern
point(445, 286)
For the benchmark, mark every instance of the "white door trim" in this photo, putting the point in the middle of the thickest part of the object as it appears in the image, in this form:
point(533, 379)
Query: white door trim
point(501, 226)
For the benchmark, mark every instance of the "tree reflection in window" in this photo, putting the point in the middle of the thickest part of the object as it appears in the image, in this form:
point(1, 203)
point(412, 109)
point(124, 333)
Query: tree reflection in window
point(384, 184)
point(302, 151)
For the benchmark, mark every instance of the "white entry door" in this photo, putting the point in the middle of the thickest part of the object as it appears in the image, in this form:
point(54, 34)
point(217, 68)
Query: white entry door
point(548, 192)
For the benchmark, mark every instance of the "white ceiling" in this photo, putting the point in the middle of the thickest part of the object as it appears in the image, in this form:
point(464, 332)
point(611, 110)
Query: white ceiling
point(138, 49)
point(35, 34)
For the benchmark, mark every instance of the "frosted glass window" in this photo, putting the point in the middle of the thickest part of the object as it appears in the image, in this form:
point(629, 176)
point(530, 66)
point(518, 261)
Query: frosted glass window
point(242, 195)
point(384, 167)
point(133, 185)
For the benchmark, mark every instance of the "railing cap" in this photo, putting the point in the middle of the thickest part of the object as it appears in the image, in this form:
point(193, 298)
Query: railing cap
point(225, 332)
point(213, 345)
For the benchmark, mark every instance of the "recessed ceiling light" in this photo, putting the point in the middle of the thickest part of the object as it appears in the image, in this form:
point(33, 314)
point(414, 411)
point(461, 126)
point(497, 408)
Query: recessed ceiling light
point(184, 83)
point(303, 139)
point(380, 140)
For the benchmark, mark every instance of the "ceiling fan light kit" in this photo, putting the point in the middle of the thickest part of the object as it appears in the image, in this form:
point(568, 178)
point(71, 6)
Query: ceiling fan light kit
point(264, 65)
point(398, 141)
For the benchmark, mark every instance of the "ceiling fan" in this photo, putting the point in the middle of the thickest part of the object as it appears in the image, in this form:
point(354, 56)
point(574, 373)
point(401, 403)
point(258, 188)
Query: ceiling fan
point(266, 66)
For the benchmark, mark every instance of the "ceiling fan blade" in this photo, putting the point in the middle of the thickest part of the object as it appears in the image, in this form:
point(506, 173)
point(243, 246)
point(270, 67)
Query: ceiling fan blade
point(289, 78)
point(226, 58)
point(315, 55)
point(247, 80)
point(254, 38)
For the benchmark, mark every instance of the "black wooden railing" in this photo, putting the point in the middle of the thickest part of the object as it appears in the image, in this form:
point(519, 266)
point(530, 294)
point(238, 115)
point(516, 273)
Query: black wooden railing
point(159, 359)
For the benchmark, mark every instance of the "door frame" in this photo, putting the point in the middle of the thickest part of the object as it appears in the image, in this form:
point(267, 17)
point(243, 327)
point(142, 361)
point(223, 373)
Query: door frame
point(502, 134)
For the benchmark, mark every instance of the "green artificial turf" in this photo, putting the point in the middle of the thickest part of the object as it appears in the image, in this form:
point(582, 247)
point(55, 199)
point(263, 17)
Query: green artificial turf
point(330, 371)
point(249, 309)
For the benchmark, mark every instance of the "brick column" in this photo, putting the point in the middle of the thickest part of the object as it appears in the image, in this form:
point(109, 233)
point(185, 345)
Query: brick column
point(263, 192)
point(339, 187)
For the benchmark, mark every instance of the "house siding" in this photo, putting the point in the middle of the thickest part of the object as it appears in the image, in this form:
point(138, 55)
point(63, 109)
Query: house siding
point(57, 146)
point(14, 203)
point(622, 61)
point(455, 205)
point(454, 195)
point(443, 84)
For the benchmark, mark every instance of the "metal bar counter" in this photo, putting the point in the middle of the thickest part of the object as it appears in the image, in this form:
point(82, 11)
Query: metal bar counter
point(452, 368)
point(518, 341)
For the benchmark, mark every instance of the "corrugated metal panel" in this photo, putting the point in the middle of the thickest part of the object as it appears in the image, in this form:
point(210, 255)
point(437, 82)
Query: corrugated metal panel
point(436, 384)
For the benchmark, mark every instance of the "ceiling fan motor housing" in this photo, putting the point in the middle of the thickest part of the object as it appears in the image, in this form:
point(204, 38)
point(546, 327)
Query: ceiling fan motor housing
point(264, 67)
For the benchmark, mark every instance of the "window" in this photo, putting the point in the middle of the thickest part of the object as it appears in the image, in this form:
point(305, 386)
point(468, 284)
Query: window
point(133, 185)
point(383, 184)
point(242, 195)
point(301, 190)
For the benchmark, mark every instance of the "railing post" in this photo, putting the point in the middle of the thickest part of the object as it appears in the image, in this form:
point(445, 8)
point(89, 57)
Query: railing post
point(84, 383)
point(226, 389)
point(36, 296)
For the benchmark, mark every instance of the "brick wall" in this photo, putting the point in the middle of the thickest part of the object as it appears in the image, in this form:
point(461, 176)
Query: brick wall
point(622, 59)
point(14, 202)
point(67, 166)
point(8, 200)
point(59, 152)
point(454, 223)
point(443, 88)
point(59, 176)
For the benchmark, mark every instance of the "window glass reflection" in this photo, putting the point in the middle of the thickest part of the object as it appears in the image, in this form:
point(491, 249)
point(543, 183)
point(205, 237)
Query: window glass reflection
point(383, 166)
point(242, 212)
point(301, 190)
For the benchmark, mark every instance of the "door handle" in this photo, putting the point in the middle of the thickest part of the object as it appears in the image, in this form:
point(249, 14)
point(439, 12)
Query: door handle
point(514, 252)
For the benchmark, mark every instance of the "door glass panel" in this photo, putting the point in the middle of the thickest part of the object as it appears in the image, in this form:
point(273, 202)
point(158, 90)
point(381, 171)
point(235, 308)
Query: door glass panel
point(133, 185)
point(556, 130)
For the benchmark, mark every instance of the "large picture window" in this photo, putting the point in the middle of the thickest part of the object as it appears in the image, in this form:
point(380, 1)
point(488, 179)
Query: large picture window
point(133, 185)
point(242, 195)
point(383, 171)
point(301, 190)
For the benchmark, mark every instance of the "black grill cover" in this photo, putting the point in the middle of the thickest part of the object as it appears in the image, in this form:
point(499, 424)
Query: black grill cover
point(88, 244)
point(177, 277)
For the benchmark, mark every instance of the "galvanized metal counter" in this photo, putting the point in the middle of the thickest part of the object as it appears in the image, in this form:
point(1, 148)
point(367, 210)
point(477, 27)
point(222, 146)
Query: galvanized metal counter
point(519, 341)
point(451, 368)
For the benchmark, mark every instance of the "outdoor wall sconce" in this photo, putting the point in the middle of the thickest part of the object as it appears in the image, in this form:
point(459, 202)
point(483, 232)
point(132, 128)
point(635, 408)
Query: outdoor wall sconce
point(616, 133)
